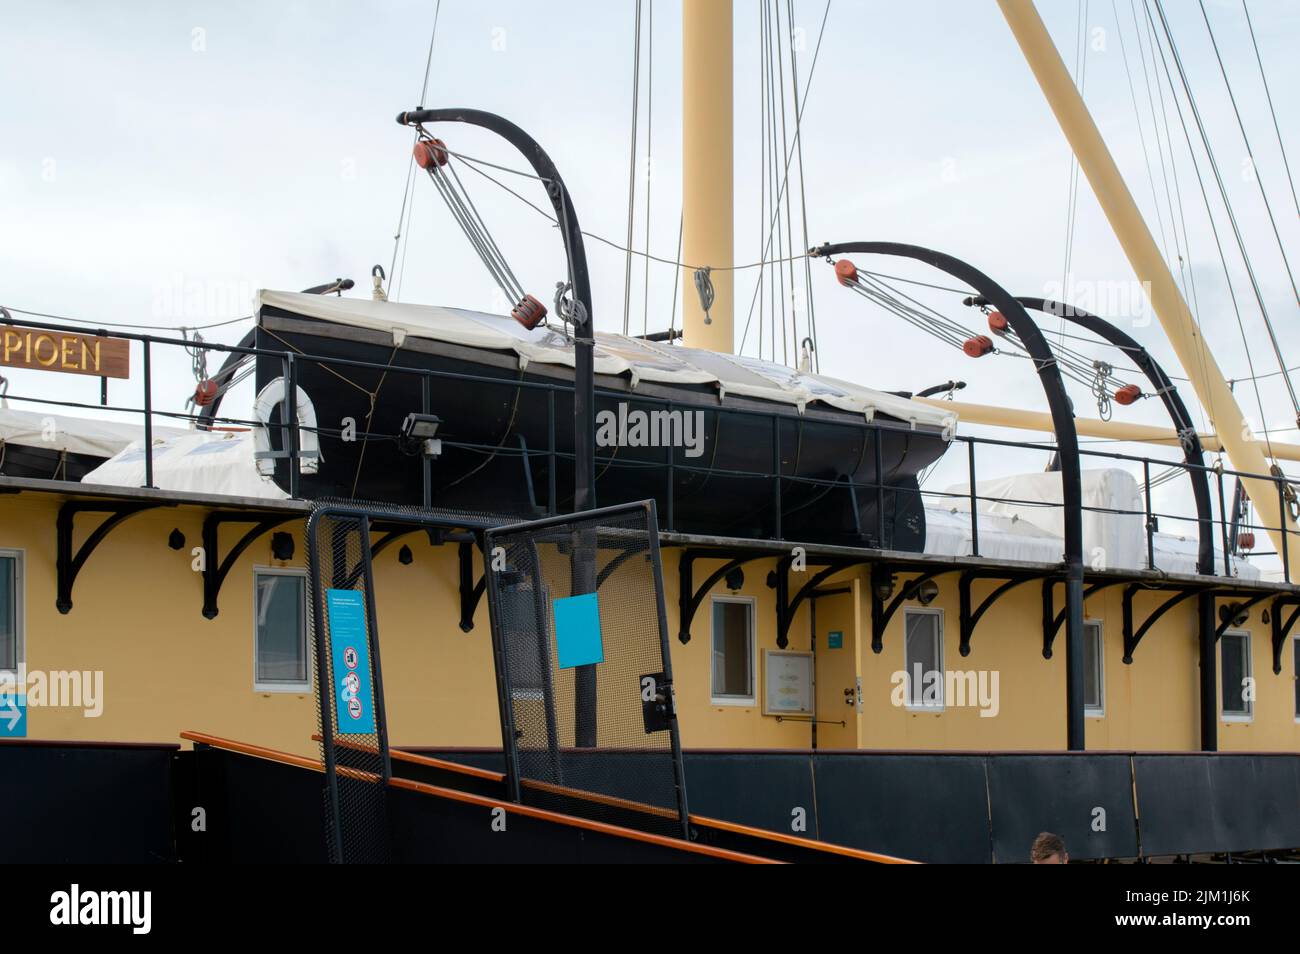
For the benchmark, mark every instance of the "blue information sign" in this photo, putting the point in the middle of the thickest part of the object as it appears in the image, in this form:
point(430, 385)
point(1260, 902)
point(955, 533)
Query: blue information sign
point(13, 714)
point(577, 631)
point(354, 704)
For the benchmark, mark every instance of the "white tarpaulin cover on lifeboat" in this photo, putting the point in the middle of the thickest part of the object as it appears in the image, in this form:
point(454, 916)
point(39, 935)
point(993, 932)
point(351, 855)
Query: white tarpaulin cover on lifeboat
point(614, 354)
point(205, 462)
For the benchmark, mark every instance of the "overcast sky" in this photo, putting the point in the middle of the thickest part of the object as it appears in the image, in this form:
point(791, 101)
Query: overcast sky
point(159, 161)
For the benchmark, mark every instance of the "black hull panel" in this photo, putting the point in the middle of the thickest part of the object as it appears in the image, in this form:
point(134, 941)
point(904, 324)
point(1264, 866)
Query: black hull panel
point(498, 438)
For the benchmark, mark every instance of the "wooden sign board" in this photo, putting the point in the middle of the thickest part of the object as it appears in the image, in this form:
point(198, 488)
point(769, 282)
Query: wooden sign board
point(44, 350)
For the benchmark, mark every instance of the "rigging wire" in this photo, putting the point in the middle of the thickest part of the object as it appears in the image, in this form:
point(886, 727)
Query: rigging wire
point(812, 69)
point(1232, 218)
point(1254, 166)
point(803, 194)
point(408, 189)
point(1272, 112)
point(631, 165)
point(1072, 191)
point(649, 134)
point(1205, 197)
point(1187, 273)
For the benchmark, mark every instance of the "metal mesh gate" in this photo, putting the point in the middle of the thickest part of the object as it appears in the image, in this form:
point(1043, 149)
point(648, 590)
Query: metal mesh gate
point(583, 670)
point(349, 688)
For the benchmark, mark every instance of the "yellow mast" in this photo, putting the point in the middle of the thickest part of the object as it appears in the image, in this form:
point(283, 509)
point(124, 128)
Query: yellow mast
point(1026, 420)
point(707, 169)
point(1230, 424)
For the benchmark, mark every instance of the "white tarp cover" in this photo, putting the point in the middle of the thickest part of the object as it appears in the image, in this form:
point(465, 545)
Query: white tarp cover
point(1026, 522)
point(208, 462)
point(75, 435)
point(614, 354)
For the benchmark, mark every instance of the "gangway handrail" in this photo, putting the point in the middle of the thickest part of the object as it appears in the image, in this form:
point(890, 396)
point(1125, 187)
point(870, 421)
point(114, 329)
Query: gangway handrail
point(703, 821)
point(485, 801)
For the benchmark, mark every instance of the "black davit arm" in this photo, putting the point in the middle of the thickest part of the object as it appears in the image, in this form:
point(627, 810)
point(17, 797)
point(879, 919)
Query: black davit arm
point(583, 402)
point(1067, 443)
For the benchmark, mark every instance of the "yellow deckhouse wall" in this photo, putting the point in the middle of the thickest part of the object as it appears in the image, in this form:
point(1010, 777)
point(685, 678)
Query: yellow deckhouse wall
point(136, 617)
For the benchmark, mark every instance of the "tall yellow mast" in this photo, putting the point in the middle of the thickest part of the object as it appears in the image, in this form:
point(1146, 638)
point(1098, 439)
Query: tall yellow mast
point(707, 169)
point(1197, 359)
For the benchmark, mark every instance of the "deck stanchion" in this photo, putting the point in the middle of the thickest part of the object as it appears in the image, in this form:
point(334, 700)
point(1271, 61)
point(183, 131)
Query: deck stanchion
point(148, 417)
point(974, 502)
point(1151, 533)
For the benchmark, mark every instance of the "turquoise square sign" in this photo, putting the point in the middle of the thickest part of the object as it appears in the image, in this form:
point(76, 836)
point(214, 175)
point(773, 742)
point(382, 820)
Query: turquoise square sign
point(577, 631)
point(835, 639)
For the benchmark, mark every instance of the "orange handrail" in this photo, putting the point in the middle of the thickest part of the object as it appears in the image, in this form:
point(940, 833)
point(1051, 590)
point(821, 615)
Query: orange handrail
point(702, 821)
point(287, 758)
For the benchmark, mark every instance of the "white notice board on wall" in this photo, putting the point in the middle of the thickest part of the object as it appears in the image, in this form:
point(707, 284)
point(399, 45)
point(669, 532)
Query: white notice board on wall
point(788, 683)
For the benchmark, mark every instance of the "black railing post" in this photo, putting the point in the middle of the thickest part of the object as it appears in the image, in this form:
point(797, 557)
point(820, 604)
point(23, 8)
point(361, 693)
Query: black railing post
point(148, 417)
point(974, 503)
point(551, 505)
point(1223, 525)
point(1281, 510)
point(289, 422)
point(776, 477)
point(880, 489)
point(426, 462)
point(1151, 533)
point(672, 473)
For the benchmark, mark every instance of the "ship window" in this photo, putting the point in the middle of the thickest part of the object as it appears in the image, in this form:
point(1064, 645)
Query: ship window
point(733, 650)
point(11, 609)
point(1094, 669)
point(923, 652)
point(1234, 651)
point(280, 605)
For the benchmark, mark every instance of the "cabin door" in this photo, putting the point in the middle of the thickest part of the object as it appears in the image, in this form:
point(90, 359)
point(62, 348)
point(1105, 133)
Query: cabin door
point(835, 649)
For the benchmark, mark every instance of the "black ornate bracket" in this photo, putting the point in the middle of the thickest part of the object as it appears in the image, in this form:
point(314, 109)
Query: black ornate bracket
point(69, 564)
point(1052, 620)
point(215, 571)
point(786, 607)
point(688, 597)
point(1131, 636)
point(1282, 629)
point(971, 618)
point(471, 592)
point(1134, 636)
point(882, 577)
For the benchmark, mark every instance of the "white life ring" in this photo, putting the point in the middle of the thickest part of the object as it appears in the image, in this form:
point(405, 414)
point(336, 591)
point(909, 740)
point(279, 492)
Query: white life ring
point(308, 441)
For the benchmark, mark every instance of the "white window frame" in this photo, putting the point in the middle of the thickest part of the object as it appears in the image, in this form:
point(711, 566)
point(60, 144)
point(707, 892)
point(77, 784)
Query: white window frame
point(1098, 711)
point(20, 608)
point(296, 688)
point(943, 672)
point(1248, 716)
point(743, 701)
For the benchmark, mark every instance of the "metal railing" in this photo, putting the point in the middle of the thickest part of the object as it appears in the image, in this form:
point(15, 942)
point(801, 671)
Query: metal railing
point(672, 464)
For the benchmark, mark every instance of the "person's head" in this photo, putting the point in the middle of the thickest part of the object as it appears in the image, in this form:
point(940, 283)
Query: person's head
point(1048, 849)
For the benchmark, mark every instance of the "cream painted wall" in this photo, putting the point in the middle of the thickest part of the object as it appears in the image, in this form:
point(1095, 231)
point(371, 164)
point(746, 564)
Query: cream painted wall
point(136, 617)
